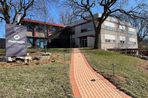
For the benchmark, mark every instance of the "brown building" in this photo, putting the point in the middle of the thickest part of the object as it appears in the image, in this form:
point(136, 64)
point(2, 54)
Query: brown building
point(44, 35)
point(39, 34)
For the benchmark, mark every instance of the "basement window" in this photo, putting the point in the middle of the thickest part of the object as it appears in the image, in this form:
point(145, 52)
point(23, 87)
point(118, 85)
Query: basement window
point(122, 42)
point(107, 40)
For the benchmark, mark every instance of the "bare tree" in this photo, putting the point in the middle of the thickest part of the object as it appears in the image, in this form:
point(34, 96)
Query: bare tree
point(11, 8)
point(66, 16)
point(84, 8)
point(33, 8)
point(142, 27)
point(140, 23)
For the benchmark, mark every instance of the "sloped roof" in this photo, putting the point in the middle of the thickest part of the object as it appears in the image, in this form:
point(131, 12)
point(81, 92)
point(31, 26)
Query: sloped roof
point(41, 22)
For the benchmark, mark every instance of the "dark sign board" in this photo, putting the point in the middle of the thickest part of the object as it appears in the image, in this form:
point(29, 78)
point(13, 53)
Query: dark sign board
point(16, 40)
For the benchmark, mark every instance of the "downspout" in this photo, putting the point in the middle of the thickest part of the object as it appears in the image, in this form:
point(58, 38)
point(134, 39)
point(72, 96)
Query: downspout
point(34, 36)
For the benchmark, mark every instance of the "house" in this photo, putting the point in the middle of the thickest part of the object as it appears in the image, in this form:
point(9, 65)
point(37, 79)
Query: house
point(115, 34)
point(39, 33)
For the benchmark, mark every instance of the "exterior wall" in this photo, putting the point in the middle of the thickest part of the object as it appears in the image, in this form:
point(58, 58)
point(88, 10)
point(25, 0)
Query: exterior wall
point(90, 42)
point(130, 40)
point(77, 42)
point(29, 34)
point(114, 34)
point(38, 32)
point(78, 33)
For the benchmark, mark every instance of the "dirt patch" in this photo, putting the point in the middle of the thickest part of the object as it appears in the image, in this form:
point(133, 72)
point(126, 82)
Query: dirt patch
point(54, 58)
point(144, 66)
point(116, 80)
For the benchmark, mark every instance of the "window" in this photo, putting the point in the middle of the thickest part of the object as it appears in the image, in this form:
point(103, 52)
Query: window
point(110, 38)
point(121, 28)
point(83, 41)
point(131, 31)
point(109, 28)
point(87, 27)
point(40, 28)
point(122, 42)
point(109, 25)
point(107, 40)
point(132, 41)
point(122, 39)
point(110, 41)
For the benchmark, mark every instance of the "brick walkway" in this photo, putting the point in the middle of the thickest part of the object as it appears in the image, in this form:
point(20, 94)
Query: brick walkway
point(86, 83)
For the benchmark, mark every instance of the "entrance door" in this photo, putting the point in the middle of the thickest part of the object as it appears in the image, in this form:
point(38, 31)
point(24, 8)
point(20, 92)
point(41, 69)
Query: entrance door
point(83, 42)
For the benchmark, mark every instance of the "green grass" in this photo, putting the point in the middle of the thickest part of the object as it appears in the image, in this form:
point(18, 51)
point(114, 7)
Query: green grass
point(2, 51)
point(129, 76)
point(38, 81)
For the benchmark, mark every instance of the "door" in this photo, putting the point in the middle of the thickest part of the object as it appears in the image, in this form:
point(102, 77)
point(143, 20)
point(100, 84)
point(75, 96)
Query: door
point(83, 42)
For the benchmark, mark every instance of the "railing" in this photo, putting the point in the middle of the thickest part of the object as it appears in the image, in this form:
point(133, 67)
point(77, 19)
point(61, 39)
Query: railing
point(131, 51)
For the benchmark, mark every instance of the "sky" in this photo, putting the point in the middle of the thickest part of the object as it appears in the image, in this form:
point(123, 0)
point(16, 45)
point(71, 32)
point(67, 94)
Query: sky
point(54, 13)
point(2, 30)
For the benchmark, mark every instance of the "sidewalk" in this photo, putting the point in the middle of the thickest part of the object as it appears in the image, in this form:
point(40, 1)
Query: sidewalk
point(86, 83)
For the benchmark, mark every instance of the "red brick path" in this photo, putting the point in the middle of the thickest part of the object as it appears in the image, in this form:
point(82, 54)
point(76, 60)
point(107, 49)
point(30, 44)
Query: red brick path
point(86, 83)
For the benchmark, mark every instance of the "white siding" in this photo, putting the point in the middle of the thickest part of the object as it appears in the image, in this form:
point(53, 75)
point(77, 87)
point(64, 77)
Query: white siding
point(122, 38)
point(90, 42)
point(132, 40)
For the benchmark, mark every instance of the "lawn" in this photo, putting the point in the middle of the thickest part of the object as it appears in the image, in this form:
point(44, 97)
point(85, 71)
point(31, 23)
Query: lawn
point(37, 81)
point(2, 51)
point(131, 74)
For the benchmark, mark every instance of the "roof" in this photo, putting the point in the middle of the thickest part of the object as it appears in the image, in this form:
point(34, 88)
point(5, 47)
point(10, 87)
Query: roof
point(41, 22)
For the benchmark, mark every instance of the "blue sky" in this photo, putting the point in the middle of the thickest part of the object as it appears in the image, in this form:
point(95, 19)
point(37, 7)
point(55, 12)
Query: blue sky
point(54, 12)
point(2, 30)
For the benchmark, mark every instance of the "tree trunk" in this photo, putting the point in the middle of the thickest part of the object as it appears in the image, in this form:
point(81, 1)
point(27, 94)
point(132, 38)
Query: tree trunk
point(6, 17)
point(7, 20)
point(97, 44)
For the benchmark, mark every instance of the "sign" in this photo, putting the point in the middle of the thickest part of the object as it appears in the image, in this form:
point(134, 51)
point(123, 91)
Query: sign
point(16, 40)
